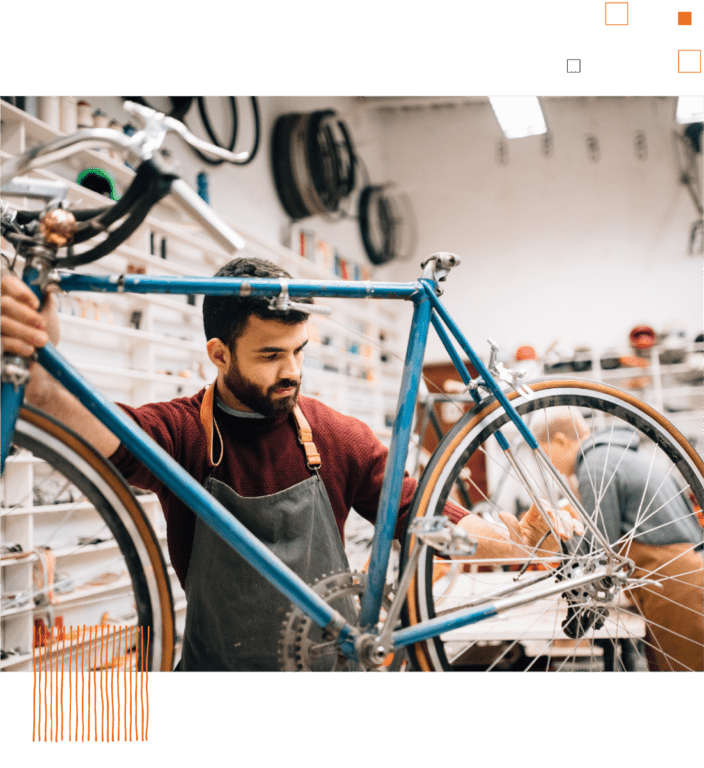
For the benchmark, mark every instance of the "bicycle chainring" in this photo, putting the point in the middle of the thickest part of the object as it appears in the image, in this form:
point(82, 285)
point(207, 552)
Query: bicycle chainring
point(304, 646)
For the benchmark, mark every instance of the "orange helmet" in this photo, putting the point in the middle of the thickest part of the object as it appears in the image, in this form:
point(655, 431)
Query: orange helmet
point(642, 337)
point(526, 353)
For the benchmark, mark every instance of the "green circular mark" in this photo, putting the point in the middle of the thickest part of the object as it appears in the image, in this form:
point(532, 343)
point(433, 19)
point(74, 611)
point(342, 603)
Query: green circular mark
point(101, 174)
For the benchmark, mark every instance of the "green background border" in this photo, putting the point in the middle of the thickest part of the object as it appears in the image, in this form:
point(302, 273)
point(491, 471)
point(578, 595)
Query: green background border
point(309, 48)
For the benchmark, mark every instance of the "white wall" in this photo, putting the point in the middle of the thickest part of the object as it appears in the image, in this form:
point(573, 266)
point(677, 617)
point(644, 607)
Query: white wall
point(553, 248)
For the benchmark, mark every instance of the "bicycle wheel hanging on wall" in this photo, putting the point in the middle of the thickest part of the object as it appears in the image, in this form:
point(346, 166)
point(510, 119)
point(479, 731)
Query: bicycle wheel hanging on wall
point(313, 161)
point(382, 225)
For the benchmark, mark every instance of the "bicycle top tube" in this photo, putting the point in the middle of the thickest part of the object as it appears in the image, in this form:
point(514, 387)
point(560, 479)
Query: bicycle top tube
point(218, 286)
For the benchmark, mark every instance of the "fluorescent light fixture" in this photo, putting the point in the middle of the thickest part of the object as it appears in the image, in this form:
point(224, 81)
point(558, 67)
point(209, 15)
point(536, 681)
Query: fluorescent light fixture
point(519, 115)
point(690, 109)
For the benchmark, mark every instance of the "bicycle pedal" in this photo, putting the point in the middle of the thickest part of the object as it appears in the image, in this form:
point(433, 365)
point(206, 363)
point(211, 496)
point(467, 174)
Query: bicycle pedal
point(443, 536)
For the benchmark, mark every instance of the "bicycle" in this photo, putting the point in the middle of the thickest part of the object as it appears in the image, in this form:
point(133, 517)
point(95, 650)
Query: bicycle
point(571, 599)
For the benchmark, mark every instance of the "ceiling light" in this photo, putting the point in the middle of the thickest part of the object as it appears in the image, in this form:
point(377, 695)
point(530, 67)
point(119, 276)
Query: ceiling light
point(519, 115)
point(690, 109)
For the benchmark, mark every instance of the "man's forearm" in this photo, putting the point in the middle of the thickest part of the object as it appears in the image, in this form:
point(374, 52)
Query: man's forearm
point(44, 392)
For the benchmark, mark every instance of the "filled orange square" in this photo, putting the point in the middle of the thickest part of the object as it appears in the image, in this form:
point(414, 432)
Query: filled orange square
point(684, 18)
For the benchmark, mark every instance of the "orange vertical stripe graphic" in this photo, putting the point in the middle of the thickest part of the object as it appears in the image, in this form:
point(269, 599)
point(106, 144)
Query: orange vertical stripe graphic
point(43, 645)
point(146, 688)
point(83, 644)
point(70, 695)
point(130, 683)
point(50, 666)
point(34, 694)
point(88, 687)
point(118, 710)
point(63, 653)
point(51, 687)
point(102, 700)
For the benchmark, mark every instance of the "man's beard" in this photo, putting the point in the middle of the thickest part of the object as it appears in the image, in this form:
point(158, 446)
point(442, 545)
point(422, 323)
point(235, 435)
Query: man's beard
point(259, 400)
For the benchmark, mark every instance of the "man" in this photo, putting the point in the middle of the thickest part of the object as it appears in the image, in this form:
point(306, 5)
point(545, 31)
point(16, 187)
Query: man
point(666, 530)
point(239, 438)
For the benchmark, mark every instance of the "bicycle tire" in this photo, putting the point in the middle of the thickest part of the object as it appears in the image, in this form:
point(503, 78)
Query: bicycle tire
point(281, 160)
point(107, 491)
point(484, 647)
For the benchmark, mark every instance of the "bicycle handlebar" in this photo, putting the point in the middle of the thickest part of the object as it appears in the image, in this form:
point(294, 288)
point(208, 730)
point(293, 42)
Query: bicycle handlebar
point(139, 147)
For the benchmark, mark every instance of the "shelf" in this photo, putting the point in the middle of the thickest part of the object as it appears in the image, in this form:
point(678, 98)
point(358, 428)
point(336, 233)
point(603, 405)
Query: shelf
point(43, 133)
point(67, 551)
point(48, 508)
point(66, 506)
point(130, 373)
point(14, 660)
point(134, 333)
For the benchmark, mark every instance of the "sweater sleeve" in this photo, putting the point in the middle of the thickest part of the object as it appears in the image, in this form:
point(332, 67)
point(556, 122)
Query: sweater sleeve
point(161, 422)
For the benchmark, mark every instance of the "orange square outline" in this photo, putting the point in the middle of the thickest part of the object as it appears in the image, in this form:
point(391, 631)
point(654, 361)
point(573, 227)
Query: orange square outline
point(606, 23)
point(687, 16)
point(682, 50)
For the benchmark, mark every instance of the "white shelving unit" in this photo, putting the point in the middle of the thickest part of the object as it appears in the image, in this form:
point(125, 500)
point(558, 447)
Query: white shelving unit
point(139, 349)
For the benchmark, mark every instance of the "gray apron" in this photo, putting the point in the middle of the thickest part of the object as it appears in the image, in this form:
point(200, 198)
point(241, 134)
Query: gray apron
point(235, 616)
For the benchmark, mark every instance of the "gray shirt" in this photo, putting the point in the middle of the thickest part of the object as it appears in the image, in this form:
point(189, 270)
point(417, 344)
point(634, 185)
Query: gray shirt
point(637, 493)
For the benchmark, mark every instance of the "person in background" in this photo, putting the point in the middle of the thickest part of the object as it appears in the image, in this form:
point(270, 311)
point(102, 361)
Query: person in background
point(667, 544)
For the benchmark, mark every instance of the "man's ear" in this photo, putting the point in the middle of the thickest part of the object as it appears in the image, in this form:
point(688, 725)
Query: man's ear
point(219, 354)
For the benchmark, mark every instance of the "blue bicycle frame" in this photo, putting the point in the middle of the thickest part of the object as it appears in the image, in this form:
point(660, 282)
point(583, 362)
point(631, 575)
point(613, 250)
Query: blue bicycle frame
point(428, 310)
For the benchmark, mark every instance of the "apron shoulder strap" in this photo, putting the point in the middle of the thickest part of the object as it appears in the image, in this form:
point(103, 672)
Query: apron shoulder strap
point(305, 438)
point(207, 420)
point(305, 433)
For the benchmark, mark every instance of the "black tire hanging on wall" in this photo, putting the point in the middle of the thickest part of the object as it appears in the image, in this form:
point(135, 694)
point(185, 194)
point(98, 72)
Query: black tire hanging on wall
point(374, 206)
point(282, 162)
point(313, 163)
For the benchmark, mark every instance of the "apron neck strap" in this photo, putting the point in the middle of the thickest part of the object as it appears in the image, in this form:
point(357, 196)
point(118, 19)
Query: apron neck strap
point(305, 433)
point(207, 420)
point(305, 438)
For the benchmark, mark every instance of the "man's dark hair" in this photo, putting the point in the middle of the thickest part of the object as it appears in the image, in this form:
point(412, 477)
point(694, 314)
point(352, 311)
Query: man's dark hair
point(225, 317)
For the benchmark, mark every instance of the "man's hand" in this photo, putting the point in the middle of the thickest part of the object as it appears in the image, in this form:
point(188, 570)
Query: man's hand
point(528, 532)
point(495, 544)
point(23, 326)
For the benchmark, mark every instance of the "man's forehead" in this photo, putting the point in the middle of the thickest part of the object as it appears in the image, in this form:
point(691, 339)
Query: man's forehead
point(260, 332)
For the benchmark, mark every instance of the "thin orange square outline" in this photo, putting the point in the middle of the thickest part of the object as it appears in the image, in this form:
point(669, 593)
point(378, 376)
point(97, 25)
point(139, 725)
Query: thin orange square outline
point(686, 15)
point(695, 50)
point(606, 23)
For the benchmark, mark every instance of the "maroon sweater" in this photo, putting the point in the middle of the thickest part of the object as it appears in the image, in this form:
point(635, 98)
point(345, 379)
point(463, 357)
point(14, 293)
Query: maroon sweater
point(262, 456)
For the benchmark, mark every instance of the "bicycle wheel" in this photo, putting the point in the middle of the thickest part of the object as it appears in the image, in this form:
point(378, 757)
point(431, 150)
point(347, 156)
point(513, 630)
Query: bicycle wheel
point(90, 533)
point(646, 625)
